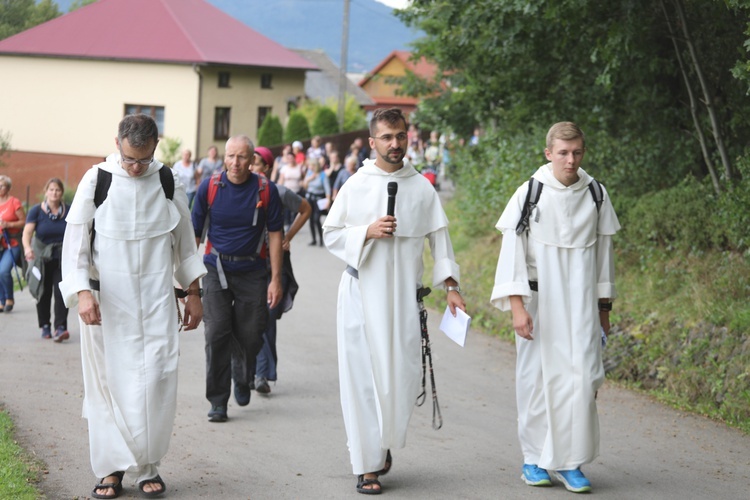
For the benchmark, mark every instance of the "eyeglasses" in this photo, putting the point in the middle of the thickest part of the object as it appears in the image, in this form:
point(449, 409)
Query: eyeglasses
point(132, 161)
point(400, 137)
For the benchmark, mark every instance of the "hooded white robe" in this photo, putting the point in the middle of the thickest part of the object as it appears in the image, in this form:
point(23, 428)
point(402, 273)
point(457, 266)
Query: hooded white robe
point(379, 341)
point(143, 241)
point(568, 250)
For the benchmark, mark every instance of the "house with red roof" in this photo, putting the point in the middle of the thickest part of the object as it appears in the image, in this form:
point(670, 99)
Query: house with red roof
point(384, 92)
point(203, 75)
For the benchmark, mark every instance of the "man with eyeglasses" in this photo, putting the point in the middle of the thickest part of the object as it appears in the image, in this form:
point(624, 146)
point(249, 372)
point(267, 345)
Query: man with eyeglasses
point(378, 319)
point(120, 275)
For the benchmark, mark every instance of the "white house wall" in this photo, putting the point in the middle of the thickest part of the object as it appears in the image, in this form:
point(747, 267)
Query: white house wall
point(70, 106)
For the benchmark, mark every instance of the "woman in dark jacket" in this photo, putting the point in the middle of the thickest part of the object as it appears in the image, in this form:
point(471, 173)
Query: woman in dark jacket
point(47, 220)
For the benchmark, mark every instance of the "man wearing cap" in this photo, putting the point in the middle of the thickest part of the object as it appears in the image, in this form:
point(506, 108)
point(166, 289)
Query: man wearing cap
point(237, 288)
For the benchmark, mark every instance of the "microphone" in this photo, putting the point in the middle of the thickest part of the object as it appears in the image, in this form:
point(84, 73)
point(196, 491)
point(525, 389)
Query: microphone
point(392, 189)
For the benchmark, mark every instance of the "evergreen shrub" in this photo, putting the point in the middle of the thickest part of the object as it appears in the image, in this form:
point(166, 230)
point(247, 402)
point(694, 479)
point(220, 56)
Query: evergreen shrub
point(297, 128)
point(271, 132)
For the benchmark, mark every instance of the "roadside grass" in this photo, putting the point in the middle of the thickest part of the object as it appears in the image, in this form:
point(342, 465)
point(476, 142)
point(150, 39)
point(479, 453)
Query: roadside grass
point(19, 472)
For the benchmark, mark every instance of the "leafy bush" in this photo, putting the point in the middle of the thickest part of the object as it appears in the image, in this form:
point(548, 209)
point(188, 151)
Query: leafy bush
point(271, 132)
point(169, 150)
point(325, 122)
point(490, 173)
point(689, 218)
point(297, 128)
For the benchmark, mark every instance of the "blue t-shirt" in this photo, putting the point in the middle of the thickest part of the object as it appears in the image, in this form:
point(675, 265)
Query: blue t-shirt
point(50, 228)
point(231, 230)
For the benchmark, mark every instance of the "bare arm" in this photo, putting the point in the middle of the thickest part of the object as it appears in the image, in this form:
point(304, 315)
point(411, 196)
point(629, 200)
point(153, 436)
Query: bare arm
point(276, 254)
point(28, 232)
point(302, 215)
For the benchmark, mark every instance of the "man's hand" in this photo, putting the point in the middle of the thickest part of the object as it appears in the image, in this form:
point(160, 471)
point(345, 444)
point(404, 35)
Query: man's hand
point(522, 322)
point(193, 312)
point(274, 292)
point(382, 228)
point(88, 308)
point(455, 301)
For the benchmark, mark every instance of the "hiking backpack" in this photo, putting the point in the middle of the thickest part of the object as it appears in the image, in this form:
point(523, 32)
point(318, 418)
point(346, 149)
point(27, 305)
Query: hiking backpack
point(104, 180)
point(535, 191)
point(262, 200)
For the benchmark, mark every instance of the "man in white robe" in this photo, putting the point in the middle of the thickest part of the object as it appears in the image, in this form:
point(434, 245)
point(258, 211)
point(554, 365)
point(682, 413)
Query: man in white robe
point(566, 255)
point(379, 340)
point(129, 326)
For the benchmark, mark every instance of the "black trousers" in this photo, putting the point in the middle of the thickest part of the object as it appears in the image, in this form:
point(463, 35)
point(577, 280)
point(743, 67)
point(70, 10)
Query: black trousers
point(52, 278)
point(235, 319)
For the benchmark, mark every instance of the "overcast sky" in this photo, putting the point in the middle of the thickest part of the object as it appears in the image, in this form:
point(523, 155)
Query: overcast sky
point(396, 4)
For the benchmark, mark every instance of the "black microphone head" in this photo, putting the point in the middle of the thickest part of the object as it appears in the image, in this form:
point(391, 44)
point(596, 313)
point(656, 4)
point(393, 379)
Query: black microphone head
point(392, 188)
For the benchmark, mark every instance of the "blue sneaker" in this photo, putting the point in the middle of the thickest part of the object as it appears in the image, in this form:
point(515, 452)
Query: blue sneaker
point(534, 476)
point(46, 332)
point(574, 480)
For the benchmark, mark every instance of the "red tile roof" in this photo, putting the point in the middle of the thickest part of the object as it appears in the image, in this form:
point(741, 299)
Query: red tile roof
point(179, 31)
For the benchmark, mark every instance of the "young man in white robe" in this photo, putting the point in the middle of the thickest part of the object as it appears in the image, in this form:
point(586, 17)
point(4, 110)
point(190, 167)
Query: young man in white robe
point(123, 286)
point(379, 340)
point(557, 279)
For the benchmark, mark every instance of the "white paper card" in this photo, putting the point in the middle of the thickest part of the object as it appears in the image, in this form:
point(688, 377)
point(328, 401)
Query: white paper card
point(322, 204)
point(455, 327)
point(37, 274)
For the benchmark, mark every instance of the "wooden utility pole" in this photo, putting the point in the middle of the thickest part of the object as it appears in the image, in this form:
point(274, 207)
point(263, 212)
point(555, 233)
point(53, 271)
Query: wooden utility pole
point(342, 68)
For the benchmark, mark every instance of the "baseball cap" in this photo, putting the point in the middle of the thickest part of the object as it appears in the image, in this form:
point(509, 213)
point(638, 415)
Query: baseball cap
point(266, 154)
point(297, 144)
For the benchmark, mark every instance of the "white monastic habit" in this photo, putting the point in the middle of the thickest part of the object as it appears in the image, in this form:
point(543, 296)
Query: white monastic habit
point(143, 241)
point(568, 250)
point(379, 341)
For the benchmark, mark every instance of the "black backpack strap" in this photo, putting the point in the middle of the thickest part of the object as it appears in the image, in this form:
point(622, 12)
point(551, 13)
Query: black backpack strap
point(103, 181)
point(597, 193)
point(167, 181)
point(532, 198)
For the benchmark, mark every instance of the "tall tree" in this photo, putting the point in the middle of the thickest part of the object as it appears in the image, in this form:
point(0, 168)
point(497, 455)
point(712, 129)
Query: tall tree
point(610, 66)
point(19, 15)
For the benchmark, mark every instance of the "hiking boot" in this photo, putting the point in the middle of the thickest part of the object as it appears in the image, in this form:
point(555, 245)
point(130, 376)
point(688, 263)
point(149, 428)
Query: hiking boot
point(46, 332)
point(242, 394)
point(535, 476)
point(261, 385)
point(217, 414)
point(574, 480)
point(61, 334)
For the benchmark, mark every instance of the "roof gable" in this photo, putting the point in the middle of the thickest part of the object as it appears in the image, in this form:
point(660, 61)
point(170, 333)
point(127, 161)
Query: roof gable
point(180, 31)
point(421, 68)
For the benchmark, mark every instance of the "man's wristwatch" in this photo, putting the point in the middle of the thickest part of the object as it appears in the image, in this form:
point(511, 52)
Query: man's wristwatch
point(194, 291)
point(605, 306)
point(453, 289)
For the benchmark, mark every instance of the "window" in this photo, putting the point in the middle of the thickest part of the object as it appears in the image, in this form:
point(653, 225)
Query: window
point(265, 80)
point(224, 79)
point(221, 123)
point(155, 112)
point(263, 111)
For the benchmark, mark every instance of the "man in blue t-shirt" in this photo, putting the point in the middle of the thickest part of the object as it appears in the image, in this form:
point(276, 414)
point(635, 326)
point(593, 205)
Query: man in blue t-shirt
point(237, 291)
